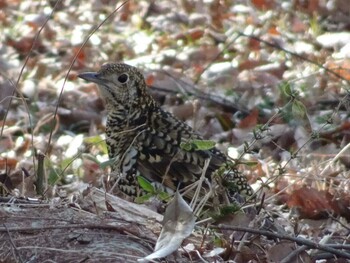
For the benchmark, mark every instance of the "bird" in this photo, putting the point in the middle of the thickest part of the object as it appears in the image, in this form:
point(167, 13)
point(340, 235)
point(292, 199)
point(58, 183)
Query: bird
point(145, 140)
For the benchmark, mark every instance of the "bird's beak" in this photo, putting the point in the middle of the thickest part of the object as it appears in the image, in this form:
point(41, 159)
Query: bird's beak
point(90, 76)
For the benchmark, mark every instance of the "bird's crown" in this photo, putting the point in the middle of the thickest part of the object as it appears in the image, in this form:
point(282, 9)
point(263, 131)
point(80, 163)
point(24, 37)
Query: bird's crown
point(119, 83)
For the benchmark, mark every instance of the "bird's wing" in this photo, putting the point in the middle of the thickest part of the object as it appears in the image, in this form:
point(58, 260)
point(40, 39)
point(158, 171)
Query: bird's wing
point(162, 159)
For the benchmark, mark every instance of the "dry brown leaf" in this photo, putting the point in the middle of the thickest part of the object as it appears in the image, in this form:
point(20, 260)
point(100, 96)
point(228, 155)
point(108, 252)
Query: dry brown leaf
point(150, 80)
point(92, 172)
point(298, 26)
point(312, 203)
point(24, 45)
point(7, 163)
point(264, 4)
point(273, 30)
point(250, 121)
point(249, 64)
point(81, 57)
point(342, 68)
point(192, 34)
point(3, 4)
point(310, 6)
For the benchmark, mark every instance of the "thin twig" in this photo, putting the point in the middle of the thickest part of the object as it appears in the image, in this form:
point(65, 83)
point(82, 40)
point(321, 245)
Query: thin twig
point(291, 257)
point(298, 240)
point(36, 37)
point(18, 255)
point(302, 57)
point(71, 65)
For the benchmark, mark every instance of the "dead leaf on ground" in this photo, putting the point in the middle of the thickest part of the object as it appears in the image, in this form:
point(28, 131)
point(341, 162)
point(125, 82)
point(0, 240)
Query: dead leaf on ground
point(312, 203)
point(178, 224)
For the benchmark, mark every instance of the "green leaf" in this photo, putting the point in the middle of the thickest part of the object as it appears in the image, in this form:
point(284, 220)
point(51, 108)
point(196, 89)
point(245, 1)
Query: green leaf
point(144, 198)
point(163, 196)
point(250, 163)
point(107, 163)
point(53, 176)
point(145, 184)
point(298, 109)
point(287, 89)
point(229, 209)
point(93, 139)
point(66, 162)
point(97, 141)
point(90, 157)
point(225, 211)
point(197, 145)
point(187, 146)
point(219, 242)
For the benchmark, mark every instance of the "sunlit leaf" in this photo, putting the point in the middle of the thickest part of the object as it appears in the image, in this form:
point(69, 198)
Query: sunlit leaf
point(298, 109)
point(163, 196)
point(145, 184)
point(197, 145)
point(250, 163)
point(97, 141)
point(66, 162)
point(143, 199)
point(287, 89)
point(187, 146)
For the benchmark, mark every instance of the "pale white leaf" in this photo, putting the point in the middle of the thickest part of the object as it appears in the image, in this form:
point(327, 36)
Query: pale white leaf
point(178, 224)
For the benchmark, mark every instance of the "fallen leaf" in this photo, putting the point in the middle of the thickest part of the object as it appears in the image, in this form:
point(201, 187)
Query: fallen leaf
point(314, 204)
point(178, 224)
point(264, 4)
point(250, 121)
point(8, 163)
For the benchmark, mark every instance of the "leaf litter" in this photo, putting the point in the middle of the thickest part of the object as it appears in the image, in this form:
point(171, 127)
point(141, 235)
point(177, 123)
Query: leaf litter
point(205, 70)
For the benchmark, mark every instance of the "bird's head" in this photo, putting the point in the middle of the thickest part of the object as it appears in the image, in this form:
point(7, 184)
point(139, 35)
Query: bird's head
point(119, 84)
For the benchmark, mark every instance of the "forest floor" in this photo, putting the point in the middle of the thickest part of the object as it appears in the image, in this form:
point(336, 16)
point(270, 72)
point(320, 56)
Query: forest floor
point(267, 80)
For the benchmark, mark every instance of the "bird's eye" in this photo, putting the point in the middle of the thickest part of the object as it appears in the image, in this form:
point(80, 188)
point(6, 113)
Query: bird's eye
point(123, 78)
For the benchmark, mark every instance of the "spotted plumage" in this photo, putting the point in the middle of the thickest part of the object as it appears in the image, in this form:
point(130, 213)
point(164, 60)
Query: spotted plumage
point(144, 139)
